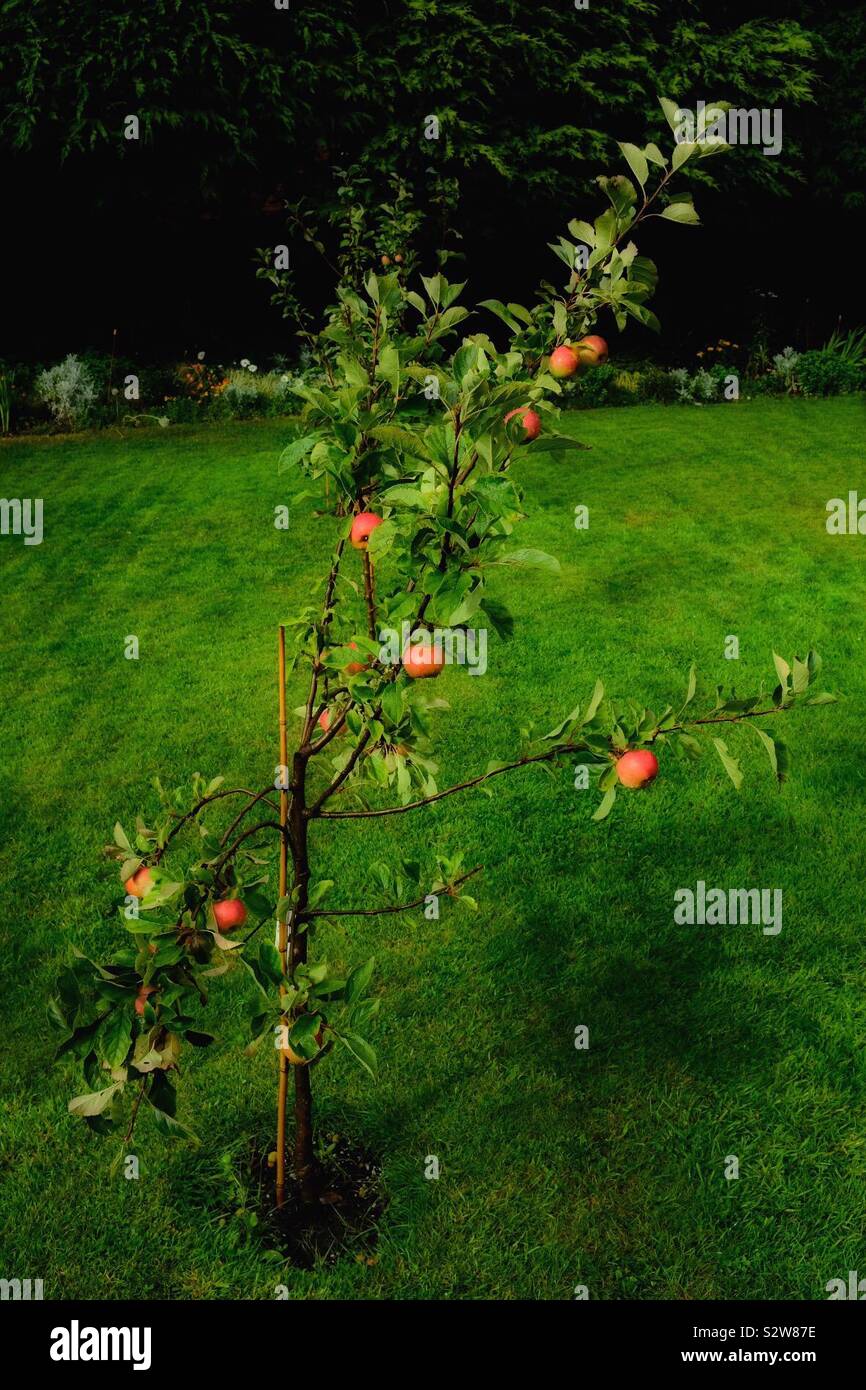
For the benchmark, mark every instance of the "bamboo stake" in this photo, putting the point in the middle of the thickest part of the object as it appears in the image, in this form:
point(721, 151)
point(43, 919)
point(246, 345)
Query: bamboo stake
point(282, 928)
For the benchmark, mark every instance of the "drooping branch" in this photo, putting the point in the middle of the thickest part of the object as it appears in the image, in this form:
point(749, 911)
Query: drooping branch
point(447, 888)
point(546, 756)
point(558, 750)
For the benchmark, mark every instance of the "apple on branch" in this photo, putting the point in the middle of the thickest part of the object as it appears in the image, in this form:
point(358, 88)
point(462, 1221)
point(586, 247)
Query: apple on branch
point(139, 884)
point(592, 350)
point(229, 913)
point(564, 361)
point(142, 997)
point(423, 658)
point(530, 419)
point(637, 767)
point(362, 526)
point(354, 668)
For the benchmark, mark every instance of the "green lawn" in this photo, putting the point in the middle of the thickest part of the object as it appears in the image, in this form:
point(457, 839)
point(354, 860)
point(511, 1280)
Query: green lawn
point(558, 1167)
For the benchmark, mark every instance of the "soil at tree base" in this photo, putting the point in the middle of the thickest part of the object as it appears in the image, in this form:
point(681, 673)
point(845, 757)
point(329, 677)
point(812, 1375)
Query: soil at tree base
point(344, 1221)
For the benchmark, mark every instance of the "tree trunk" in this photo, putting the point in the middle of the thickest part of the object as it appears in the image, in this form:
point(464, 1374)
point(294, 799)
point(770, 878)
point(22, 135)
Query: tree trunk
point(306, 1168)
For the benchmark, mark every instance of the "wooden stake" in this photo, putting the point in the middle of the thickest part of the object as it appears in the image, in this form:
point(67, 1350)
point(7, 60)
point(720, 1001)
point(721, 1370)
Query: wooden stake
point(282, 927)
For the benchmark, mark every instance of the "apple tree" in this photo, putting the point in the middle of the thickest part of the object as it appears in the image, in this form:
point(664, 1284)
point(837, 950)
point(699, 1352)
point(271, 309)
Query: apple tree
point(425, 451)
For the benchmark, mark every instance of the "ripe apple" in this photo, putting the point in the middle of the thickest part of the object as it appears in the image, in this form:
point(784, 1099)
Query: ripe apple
point(229, 913)
point(564, 361)
point(140, 883)
point(592, 350)
point(423, 658)
point(386, 260)
point(637, 767)
point(362, 526)
point(530, 419)
point(398, 258)
point(141, 998)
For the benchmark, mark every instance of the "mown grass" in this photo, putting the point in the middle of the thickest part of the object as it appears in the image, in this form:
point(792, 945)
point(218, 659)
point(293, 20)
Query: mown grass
point(558, 1167)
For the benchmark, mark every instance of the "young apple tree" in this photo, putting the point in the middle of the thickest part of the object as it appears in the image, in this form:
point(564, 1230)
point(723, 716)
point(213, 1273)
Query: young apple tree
point(423, 448)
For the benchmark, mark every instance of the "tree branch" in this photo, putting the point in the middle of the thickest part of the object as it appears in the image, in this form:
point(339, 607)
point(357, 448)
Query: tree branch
point(205, 801)
point(547, 756)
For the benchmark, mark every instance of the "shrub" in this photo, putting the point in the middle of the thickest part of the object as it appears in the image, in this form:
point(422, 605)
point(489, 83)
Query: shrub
point(656, 384)
point(851, 346)
point(249, 394)
point(696, 388)
point(827, 373)
point(68, 390)
point(768, 384)
point(596, 387)
point(785, 367)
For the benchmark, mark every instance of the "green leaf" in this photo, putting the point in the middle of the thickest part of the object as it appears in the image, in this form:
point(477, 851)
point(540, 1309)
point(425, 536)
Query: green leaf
point(681, 212)
point(561, 728)
point(498, 308)
point(318, 891)
point(783, 670)
point(388, 368)
point(162, 1094)
point(170, 1128)
point(636, 162)
point(692, 687)
point(671, 111)
point(605, 806)
point(294, 452)
point(407, 440)
point(682, 152)
point(95, 1102)
point(776, 752)
point(529, 559)
point(358, 980)
point(360, 1050)
point(582, 231)
point(114, 1037)
point(555, 444)
point(121, 839)
point(594, 703)
point(392, 702)
point(801, 677)
point(729, 763)
point(270, 964)
point(824, 698)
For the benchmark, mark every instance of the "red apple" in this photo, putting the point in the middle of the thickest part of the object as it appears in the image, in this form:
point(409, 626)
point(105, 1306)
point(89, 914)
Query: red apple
point(423, 658)
point(229, 913)
point(355, 667)
point(530, 419)
point(564, 361)
point(637, 767)
point(142, 996)
point(140, 883)
point(362, 526)
point(386, 260)
point(398, 258)
point(592, 350)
